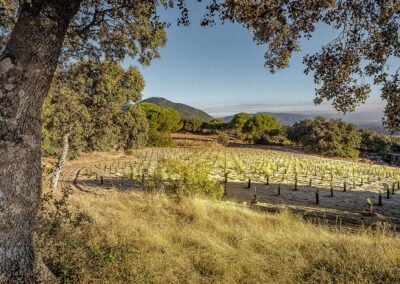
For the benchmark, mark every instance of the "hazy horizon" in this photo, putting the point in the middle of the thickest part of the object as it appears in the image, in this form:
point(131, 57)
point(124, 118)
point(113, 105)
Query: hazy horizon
point(370, 112)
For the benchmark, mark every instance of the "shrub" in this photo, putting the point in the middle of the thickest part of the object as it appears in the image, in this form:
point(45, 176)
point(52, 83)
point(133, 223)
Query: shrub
point(223, 139)
point(192, 179)
point(192, 125)
point(329, 138)
point(160, 139)
point(272, 140)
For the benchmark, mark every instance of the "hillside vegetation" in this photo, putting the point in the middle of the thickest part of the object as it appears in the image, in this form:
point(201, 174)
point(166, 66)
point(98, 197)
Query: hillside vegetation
point(137, 237)
point(183, 110)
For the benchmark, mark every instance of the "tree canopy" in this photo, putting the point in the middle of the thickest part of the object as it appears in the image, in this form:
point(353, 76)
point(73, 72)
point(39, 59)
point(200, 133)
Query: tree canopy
point(161, 119)
point(192, 125)
point(239, 120)
point(367, 38)
point(216, 121)
point(38, 35)
point(64, 112)
point(133, 128)
point(330, 138)
point(101, 29)
point(262, 123)
point(366, 42)
point(88, 100)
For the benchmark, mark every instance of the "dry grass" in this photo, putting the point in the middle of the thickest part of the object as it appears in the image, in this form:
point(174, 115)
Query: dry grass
point(154, 238)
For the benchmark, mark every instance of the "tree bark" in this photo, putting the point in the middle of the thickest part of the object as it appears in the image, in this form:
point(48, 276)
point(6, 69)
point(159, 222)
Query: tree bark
point(61, 162)
point(27, 65)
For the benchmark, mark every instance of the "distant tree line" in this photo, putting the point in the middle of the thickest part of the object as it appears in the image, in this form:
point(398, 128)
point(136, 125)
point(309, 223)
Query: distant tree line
point(95, 107)
point(338, 138)
point(333, 138)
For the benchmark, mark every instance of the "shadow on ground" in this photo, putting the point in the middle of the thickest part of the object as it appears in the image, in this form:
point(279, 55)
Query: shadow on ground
point(346, 207)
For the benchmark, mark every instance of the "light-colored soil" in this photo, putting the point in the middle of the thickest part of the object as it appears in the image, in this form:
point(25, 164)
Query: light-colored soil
point(348, 207)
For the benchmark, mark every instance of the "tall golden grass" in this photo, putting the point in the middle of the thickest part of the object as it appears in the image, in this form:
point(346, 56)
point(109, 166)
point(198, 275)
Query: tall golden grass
point(155, 238)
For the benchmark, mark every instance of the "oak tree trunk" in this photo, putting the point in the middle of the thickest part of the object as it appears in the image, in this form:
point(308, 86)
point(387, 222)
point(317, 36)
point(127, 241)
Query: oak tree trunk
point(27, 65)
point(61, 162)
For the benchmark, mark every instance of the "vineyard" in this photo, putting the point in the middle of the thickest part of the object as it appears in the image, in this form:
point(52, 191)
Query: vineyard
point(278, 178)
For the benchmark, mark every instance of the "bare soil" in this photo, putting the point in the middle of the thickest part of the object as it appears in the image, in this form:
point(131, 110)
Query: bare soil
point(348, 208)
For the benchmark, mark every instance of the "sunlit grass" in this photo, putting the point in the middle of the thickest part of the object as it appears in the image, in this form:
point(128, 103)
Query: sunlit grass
point(140, 237)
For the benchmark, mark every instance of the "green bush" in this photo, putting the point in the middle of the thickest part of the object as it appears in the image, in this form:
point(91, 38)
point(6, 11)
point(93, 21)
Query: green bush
point(279, 140)
point(192, 125)
point(223, 139)
point(191, 179)
point(160, 139)
point(329, 138)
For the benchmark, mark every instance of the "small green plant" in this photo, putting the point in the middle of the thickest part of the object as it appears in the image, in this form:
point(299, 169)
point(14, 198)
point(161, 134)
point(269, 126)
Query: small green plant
point(369, 206)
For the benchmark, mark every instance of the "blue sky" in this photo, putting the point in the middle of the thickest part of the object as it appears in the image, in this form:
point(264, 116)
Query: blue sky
point(221, 70)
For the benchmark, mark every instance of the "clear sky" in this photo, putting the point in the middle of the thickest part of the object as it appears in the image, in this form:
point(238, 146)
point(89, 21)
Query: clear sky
point(221, 70)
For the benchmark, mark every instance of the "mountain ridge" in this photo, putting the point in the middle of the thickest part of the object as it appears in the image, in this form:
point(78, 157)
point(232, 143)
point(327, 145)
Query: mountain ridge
point(183, 110)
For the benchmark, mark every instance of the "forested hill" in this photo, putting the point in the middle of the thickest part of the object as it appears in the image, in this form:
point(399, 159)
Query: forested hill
point(183, 110)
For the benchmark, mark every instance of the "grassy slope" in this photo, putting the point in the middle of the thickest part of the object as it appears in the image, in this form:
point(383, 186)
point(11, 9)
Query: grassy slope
point(142, 237)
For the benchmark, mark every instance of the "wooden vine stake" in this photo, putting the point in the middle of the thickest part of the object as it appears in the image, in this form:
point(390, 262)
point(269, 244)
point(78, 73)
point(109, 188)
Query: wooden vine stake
point(255, 197)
